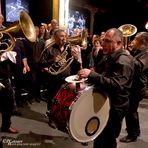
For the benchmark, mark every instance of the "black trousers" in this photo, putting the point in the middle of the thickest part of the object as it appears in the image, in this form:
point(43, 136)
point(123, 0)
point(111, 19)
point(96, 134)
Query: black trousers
point(18, 83)
point(53, 85)
point(132, 119)
point(6, 103)
point(107, 139)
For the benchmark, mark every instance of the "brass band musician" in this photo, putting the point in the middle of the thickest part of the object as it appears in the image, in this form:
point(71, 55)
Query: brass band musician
point(6, 89)
point(58, 61)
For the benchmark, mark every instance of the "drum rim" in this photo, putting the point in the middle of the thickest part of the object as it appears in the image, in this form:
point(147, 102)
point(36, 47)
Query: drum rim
point(91, 138)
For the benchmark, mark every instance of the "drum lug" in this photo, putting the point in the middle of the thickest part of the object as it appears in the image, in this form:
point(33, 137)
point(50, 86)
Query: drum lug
point(72, 104)
point(84, 144)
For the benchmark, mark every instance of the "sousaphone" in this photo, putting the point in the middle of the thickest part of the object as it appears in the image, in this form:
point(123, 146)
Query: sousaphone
point(128, 30)
point(24, 27)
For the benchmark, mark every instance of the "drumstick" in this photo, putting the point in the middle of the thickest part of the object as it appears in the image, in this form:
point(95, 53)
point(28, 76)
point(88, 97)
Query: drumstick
point(80, 58)
point(81, 66)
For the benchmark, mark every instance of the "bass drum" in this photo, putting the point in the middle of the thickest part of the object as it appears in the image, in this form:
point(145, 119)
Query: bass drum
point(83, 115)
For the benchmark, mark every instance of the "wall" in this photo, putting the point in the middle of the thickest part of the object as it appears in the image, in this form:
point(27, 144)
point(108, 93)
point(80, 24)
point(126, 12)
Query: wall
point(39, 10)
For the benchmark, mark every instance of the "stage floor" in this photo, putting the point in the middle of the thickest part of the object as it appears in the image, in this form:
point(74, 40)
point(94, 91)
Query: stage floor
point(35, 132)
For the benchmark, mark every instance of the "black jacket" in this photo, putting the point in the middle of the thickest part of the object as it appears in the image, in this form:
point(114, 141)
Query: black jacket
point(114, 75)
point(47, 60)
point(140, 82)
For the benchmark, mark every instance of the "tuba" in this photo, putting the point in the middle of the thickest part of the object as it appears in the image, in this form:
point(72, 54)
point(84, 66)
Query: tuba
point(24, 27)
point(63, 64)
point(81, 39)
point(128, 30)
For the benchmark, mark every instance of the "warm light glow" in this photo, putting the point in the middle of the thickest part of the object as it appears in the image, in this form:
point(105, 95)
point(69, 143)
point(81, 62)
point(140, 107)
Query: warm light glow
point(0, 6)
point(146, 25)
point(55, 12)
point(63, 13)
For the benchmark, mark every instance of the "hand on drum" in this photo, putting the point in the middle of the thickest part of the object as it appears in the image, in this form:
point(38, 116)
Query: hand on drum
point(84, 73)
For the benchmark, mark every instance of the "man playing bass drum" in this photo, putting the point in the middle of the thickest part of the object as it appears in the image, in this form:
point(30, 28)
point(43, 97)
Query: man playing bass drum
point(113, 74)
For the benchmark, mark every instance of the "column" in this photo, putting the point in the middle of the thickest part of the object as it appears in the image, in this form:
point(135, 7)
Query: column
point(55, 9)
point(63, 13)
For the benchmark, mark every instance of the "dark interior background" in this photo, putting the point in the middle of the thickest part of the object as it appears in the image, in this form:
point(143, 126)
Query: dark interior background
point(114, 13)
point(111, 13)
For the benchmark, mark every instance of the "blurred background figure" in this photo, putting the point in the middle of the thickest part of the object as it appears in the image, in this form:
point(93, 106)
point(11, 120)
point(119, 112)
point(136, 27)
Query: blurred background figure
point(1, 21)
point(52, 26)
point(139, 89)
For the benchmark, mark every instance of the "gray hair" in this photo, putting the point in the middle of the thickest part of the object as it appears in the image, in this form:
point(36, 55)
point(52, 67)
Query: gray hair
point(56, 31)
point(117, 34)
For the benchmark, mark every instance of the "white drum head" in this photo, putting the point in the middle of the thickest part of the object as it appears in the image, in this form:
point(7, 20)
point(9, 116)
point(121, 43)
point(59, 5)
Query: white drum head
point(74, 79)
point(89, 115)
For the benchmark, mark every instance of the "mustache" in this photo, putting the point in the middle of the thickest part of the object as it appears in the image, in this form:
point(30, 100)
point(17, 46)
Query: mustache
point(64, 41)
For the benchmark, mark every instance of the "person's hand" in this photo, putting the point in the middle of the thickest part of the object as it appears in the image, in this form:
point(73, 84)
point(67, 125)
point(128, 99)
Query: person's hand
point(57, 58)
point(46, 69)
point(26, 69)
point(76, 53)
point(84, 73)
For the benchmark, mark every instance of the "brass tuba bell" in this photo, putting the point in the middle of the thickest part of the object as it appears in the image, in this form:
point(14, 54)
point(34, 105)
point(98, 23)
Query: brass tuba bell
point(81, 39)
point(24, 27)
point(128, 30)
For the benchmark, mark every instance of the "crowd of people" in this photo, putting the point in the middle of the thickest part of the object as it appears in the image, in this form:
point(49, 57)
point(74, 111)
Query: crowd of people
point(121, 73)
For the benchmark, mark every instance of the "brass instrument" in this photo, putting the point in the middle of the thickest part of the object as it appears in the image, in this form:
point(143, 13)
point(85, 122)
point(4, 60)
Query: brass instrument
point(24, 27)
point(128, 30)
point(63, 64)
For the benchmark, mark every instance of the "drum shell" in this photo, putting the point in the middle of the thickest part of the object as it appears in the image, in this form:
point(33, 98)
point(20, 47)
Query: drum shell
point(83, 114)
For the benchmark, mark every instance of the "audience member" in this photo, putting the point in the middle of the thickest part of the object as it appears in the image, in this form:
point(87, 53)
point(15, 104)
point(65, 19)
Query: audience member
point(97, 52)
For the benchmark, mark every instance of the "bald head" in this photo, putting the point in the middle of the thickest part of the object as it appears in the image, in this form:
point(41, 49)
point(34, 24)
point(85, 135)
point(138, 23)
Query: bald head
point(54, 21)
point(112, 41)
point(54, 24)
